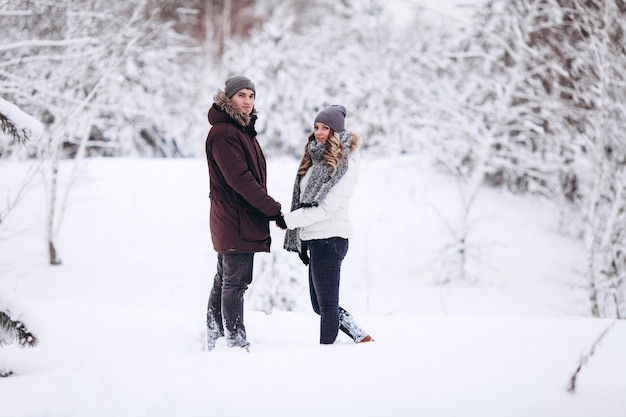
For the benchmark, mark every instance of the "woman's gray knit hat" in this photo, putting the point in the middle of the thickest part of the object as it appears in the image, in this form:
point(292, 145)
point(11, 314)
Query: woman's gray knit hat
point(236, 83)
point(333, 116)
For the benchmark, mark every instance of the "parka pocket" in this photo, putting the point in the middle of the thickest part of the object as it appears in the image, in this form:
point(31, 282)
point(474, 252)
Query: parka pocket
point(253, 225)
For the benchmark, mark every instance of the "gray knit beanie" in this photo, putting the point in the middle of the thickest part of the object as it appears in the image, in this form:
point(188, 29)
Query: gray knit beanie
point(333, 116)
point(236, 83)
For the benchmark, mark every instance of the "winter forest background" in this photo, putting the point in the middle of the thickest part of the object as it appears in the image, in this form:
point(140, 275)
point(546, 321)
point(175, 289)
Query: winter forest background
point(527, 96)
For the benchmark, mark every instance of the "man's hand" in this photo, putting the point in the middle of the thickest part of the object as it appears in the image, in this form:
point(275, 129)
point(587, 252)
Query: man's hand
point(280, 221)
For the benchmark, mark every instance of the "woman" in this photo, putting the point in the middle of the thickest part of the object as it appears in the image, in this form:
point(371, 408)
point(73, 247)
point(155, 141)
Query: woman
point(319, 220)
point(240, 207)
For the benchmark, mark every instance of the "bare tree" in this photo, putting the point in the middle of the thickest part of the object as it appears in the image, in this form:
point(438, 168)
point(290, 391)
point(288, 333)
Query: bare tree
point(70, 117)
point(531, 98)
point(90, 72)
point(227, 20)
point(538, 107)
point(603, 147)
point(583, 113)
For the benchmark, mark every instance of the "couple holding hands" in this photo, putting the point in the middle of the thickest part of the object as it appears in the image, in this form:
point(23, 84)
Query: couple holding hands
point(317, 226)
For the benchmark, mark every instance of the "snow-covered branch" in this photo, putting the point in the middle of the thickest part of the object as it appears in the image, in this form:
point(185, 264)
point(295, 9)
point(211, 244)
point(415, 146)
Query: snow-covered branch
point(45, 43)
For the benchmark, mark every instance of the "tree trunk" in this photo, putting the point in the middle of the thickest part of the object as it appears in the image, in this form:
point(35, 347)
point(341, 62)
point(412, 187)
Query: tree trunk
point(52, 205)
point(54, 259)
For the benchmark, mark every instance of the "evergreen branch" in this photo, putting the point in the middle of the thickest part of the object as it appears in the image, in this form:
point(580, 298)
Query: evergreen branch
point(17, 330)
point(6, 126)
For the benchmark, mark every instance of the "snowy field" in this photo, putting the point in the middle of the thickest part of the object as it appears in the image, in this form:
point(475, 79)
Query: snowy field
point(121, 321)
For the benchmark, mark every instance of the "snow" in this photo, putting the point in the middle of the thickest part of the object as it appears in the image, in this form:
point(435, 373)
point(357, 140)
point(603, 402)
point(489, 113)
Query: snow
point(121, 321)
point(22, 121)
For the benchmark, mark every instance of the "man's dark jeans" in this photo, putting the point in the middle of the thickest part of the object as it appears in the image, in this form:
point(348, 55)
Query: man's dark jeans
point(324, 276)
point(225, 309)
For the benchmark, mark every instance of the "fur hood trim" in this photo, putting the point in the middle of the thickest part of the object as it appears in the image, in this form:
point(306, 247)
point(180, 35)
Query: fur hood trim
point(223, 103)
point(355, 141)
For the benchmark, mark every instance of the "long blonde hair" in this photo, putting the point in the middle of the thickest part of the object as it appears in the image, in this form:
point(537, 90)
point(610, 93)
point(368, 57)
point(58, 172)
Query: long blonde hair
point(333, 153)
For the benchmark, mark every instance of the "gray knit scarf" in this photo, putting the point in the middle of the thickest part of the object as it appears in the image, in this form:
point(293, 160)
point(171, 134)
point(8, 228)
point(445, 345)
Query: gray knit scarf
point(320, 183)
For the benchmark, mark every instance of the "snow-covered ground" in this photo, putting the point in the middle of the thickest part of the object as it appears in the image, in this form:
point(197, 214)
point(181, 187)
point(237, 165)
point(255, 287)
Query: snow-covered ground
point(121, 321)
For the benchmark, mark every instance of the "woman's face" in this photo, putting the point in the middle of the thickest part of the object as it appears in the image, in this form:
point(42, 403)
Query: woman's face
point(321, 132)
point(243, 100)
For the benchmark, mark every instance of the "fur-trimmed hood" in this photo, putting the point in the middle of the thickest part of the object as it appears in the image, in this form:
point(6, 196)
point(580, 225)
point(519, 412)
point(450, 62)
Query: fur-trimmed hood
point(222, 104)
point(355, 141)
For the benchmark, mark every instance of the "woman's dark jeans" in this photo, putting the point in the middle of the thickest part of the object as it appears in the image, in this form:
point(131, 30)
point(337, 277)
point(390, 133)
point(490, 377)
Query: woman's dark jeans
point(324, 275)
point(225, 307)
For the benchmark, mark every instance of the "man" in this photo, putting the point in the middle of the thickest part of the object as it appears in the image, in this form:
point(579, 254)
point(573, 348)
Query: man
point(240, 207)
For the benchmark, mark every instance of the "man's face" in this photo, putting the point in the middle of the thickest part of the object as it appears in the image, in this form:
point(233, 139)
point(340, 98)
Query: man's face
point(243, 100)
